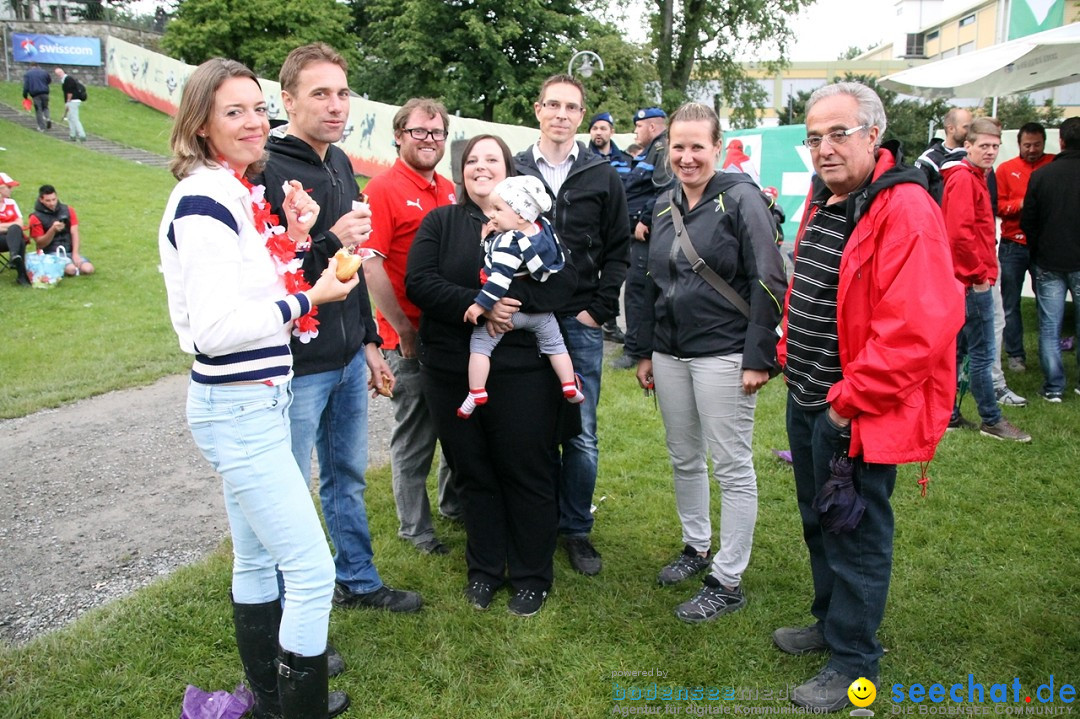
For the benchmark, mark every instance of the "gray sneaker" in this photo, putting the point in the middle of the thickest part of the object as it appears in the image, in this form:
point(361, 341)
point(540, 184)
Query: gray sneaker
point(1017, 364)
point(800, 640)
point(714, 600)
point(1007, 398)
point(1004, 430)
point(827, 692)
point(684, 566)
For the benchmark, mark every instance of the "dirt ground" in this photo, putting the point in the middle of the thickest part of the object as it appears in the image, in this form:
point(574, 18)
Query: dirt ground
point(101, 497)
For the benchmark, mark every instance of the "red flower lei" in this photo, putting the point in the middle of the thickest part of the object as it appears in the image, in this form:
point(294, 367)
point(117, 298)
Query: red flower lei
point(283, 251)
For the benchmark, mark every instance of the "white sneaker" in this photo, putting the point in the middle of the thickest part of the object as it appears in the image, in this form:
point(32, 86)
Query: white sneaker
point(1006, 397)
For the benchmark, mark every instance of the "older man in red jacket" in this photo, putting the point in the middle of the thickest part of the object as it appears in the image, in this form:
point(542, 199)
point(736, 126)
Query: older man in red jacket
point(869, 344)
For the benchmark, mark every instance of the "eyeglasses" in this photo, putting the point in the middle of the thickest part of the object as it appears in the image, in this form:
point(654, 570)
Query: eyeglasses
point(420, 133)
point(572, 108)
point(835, 138)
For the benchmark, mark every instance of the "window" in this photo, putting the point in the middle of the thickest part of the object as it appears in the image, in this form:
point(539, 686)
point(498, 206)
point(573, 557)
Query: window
point(915, 46)
point(968, 20)
point(932, 35)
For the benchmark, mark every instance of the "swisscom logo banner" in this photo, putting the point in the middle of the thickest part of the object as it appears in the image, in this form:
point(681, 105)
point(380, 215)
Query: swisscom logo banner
point(56, 49)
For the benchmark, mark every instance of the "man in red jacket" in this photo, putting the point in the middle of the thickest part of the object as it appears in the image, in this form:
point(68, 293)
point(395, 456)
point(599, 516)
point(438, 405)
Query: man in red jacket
point(1013, 256)
point(869, 350)
point(969, 219)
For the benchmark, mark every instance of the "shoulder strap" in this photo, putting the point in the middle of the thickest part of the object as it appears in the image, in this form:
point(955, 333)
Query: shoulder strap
point(698, 265)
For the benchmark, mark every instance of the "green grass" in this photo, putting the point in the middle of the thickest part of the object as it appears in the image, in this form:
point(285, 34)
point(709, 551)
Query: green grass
point(985, 579)
point(89, 334)
point(108, 113)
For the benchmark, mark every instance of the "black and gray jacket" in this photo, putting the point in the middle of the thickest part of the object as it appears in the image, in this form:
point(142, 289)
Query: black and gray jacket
point(344, 327)
point(590, 218)
point(733, 231)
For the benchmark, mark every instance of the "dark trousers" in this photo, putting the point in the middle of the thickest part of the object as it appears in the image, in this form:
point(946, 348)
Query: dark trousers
point(634, 297)
point(15, 245)
point(1015, 262)
point(850, 571)
point(505, 459)
point(41, 110)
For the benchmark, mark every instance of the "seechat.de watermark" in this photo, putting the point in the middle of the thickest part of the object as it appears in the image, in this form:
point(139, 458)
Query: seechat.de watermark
point(1053, 697)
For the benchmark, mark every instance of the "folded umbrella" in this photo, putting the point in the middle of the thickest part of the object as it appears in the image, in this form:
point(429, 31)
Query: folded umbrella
point(840, 506)
point(199, 704)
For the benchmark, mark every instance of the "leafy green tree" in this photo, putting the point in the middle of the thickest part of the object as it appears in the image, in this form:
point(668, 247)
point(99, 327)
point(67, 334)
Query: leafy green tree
point(1016, 110)
point(258, 33)
point(700, 44)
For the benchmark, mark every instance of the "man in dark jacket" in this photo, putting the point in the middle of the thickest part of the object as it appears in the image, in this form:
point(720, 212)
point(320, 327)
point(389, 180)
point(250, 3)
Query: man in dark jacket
point(330, 392)
point(35, 85)
point(589, 215)
point(944, 153)
point(1051, 221)
point(650, 177)
point(601, 128)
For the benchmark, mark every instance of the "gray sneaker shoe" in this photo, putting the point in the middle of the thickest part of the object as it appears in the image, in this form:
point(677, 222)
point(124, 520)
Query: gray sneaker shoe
point(714, 600)
point(827, 692)
point(1007, 398)
point(684, 566)
point(1004, 430)
point(800, 640)
point(1017, 364)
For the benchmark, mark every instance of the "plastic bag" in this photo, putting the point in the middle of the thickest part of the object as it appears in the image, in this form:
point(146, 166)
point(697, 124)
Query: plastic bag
point(199, 704)
point(46, 270)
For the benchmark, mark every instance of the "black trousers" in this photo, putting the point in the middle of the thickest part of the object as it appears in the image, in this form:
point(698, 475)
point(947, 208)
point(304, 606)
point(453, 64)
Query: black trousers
point(15, 245)
point(505, 459)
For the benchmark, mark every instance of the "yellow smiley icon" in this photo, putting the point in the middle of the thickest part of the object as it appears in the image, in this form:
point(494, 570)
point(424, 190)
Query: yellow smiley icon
point(862, 692)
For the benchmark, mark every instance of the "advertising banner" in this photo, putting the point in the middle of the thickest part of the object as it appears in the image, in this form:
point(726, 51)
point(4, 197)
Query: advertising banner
point(1027, 17)
point(56, 49)
point(783, 162)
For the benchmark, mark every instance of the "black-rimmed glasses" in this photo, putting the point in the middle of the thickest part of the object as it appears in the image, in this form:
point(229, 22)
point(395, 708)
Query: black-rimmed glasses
point(420, 133)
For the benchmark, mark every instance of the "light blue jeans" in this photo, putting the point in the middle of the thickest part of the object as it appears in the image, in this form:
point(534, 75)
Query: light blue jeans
point(706, 413)
point(581, 454)
point(243, 431)
point(1050, 289)
point(75, 128)
point(329, 412)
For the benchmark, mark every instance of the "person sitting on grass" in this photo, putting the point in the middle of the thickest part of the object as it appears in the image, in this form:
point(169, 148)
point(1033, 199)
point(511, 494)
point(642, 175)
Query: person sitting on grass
point(54, 225)
point(526, 246)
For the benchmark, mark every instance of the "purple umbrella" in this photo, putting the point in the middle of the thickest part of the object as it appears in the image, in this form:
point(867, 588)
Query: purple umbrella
point(840, 506)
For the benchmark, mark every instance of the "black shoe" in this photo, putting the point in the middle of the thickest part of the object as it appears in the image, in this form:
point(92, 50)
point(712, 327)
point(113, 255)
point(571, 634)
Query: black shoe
point(612, 333)
point(714, 600)
point(392, 600)
point(48, 124)
point(335, 663)
point(526, 602)
point(479, 594)
point(583, 555)
point(432, 546)
point(302, 686)
point(624, 361)
point(958, 422)
point(684, 566)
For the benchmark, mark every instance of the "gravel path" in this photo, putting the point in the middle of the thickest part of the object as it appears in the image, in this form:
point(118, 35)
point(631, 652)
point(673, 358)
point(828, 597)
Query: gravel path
point(101, 497)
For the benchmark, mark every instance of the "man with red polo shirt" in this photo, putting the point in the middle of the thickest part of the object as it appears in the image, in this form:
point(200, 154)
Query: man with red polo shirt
point(400, 198)
point(1013, 255)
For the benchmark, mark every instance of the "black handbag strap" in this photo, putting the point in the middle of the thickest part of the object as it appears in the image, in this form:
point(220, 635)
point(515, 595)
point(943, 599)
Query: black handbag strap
point(698, 265)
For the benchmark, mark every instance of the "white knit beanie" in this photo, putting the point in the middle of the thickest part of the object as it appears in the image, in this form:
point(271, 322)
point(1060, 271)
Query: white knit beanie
point(525, 194)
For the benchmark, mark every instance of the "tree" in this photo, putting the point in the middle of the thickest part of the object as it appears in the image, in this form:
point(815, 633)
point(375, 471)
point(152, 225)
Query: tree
point(908, 121)
point(700, 44)
point(851, 53)
point(1016, 110)
point(488, 58)
point(258, 33)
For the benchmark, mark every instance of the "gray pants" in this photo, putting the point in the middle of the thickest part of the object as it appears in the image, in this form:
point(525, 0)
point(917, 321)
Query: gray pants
point(412, 448)
point(705, 412)
point(41, 111)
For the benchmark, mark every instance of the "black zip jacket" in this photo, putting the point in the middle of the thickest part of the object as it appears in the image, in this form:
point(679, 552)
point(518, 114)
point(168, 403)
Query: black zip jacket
point(47, 217)
point(346, 326)
point(442, 279)
point(1051, 214)
point(733, 231)
point(590, 218)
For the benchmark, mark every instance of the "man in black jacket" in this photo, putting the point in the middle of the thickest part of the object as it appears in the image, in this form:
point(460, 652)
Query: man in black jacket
point(1051, 221)
point(35, 86)
point(589, 215)
point(329, 408)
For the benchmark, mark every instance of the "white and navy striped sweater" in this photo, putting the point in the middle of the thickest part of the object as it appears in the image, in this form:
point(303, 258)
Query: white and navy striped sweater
point(226, 299)
point(514, 254)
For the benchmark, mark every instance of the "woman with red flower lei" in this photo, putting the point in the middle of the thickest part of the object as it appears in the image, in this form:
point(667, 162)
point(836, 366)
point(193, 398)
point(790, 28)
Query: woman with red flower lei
point(236, 295)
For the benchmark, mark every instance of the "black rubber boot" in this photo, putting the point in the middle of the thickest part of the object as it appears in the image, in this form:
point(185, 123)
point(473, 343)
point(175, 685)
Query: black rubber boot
point(257, 641)
point(302, 686)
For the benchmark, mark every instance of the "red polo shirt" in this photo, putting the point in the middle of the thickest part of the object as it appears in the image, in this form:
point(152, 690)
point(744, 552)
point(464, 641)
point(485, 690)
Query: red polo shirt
point(1012, 181)
point(400, 198)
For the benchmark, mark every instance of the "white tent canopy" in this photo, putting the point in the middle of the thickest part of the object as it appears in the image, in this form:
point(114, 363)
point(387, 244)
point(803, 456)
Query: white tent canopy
point(1027, 64)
